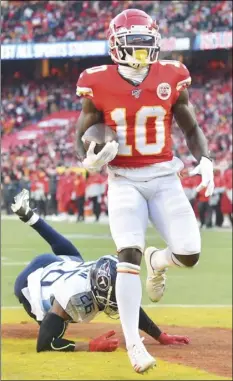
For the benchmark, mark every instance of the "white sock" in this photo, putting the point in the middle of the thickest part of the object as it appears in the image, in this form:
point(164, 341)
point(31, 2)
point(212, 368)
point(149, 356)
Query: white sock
point(128, 296)
point(164, 258)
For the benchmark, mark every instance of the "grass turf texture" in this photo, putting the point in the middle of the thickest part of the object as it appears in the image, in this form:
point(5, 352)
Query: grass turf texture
point(190, 317)
point(85, 366)
point(209, 283)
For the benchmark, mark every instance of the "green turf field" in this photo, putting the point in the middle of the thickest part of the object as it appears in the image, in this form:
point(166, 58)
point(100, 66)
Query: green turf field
point(204, 292)
point(209, 283)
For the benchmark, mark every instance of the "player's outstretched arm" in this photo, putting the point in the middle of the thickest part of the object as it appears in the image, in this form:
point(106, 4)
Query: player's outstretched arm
point(59, 244)
point(88, 116)
point(149, 327)
point(185, 117)
point(53, 327)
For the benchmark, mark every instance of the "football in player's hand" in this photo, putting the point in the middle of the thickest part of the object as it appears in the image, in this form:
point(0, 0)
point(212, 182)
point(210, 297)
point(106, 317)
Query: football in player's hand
point(100, 134)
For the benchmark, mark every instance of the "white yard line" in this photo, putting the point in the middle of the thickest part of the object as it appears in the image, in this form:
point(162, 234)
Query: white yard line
point(14, 263)
point(188, 305)
point(103, 221)
point(18, 249)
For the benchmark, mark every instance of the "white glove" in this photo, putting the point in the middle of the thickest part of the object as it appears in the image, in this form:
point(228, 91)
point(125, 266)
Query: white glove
point(205, 169)
point(21, 203)
point(94, 162)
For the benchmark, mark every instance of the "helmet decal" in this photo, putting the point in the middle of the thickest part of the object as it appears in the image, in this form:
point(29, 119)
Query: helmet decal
point(103, 278)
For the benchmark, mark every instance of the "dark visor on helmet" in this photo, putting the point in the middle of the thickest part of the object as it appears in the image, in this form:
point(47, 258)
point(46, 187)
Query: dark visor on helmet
point(140, 40)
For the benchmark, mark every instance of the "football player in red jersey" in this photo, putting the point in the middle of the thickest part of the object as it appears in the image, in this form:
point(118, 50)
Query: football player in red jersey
point(138, 98)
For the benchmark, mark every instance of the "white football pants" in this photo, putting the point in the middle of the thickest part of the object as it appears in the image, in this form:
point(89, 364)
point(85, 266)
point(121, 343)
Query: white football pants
point(164, 202)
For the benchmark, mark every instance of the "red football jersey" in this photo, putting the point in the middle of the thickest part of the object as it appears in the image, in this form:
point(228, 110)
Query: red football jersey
point(140, 114)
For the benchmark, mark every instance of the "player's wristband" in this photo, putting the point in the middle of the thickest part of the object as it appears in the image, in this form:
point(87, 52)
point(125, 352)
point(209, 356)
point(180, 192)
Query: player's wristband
point(27, 217)
point(62, 345)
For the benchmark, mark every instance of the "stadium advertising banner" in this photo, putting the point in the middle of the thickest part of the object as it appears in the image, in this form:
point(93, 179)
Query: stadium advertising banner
point(53, 50)
point(172, 44)
point(76, 49)
point(203, 41)
point(211, 41)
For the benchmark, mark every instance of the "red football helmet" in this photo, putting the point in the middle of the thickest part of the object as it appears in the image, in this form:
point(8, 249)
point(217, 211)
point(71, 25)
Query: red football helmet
point(133, 38)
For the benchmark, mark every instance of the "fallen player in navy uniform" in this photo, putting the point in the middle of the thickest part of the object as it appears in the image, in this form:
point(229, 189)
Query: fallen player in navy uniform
point(61, 288)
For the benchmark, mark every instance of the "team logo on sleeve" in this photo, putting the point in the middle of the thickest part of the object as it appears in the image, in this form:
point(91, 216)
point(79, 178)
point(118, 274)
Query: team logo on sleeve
point(136, 93)
point(164, 91)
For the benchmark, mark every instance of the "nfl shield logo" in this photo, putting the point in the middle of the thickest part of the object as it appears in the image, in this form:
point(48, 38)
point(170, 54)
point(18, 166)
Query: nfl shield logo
point(136, 93)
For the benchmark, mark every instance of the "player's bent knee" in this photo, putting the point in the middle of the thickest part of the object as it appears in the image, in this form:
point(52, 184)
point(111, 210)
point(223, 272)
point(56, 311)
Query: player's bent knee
point(130, 255)
point(188, 260)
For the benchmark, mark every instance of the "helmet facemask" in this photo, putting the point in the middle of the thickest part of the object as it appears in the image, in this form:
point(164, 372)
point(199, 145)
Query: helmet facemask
point(138, 47)
point(108, 305)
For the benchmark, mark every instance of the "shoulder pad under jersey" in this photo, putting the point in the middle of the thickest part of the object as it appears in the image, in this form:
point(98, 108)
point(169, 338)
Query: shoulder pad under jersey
point(88, 79)
point(179, 71)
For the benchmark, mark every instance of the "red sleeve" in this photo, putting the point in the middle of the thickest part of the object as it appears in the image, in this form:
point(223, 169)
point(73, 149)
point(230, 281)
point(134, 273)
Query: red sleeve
point(85, 86)
point(89, 85)
point(182, 79)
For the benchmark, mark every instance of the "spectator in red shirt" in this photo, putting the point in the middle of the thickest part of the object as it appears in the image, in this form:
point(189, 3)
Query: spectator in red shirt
point(215, 199)
point(94, 191)
point(189, 184)
point(70, 193)
point(66, 194)
point(80, 187)
point(226, 202)
point(204, 208)
point(60, 195)
point(39, 192)
point(52, 187)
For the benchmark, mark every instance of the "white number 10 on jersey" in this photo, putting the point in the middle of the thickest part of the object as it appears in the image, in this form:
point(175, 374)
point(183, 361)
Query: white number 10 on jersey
point(140, 130)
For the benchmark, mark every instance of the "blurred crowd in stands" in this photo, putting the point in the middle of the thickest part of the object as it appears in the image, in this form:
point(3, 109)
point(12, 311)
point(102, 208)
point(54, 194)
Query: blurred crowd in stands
point(73, 192)
point(51, 21)
point(212, 101)
point(70, 192)
point(28, 102)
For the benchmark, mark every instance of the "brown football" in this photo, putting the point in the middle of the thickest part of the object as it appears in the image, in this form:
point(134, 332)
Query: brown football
point(100, 134)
